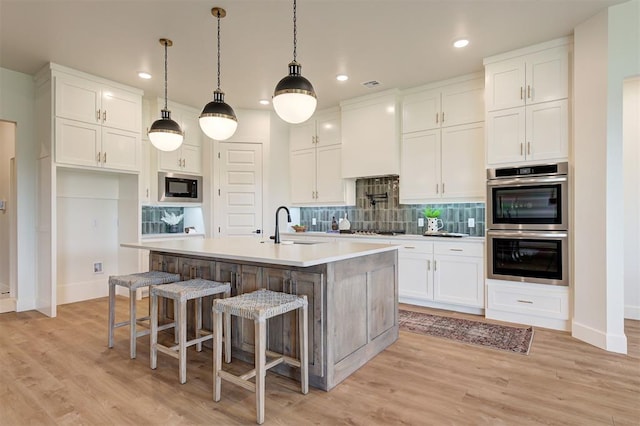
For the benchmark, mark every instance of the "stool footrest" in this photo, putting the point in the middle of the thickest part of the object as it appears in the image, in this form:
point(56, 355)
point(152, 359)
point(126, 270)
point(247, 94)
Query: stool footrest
point(286, 359)
point(187, 344)
point(237, 380)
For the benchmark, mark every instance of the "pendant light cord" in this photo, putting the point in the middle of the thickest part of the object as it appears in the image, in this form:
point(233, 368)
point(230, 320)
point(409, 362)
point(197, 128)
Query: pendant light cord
point(165, 74)
point(218, 50)
point(295, 33)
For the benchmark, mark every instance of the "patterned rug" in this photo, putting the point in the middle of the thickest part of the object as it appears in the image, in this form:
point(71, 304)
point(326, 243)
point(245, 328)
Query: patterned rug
point(512, 339)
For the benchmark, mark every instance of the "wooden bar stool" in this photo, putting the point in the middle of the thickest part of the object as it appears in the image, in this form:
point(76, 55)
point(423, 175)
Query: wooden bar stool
point(134, 282)
point(259, 306)
point(181, 292)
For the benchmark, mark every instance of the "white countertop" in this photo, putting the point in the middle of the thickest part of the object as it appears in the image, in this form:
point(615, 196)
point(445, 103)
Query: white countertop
point(374, 237)
point(251, 249)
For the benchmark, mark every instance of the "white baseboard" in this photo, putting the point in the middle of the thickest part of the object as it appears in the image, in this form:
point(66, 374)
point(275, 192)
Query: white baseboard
point(632, 312)
point(77, 292)
point(599, 339)
point(545, 322)
point(7, 304)
point(439, 305)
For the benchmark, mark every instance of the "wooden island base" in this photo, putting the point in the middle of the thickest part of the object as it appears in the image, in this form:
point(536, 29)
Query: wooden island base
point(353, 308)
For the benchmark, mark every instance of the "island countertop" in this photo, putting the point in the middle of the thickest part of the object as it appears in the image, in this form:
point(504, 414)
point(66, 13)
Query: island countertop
point(265, 251)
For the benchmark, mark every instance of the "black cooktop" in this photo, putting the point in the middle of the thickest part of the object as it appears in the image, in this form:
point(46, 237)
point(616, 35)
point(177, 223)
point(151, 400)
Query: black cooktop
point(372, 232)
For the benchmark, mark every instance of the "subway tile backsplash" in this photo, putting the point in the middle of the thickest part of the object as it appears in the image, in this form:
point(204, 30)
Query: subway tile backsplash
point(378, 208)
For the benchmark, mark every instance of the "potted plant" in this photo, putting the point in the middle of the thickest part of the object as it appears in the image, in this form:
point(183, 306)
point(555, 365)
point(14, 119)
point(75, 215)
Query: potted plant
point(434, 223)
point(431, 213)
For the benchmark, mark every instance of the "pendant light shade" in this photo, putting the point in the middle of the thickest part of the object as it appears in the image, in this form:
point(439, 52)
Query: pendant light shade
point(218, 120)
point(294, 98)
point(165, 134)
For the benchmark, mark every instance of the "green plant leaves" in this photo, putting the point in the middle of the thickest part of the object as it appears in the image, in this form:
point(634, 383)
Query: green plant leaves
point(428, 212)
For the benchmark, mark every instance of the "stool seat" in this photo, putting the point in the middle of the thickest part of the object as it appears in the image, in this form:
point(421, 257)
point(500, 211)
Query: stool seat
point(181, 292)
point(134, 282)
point(259, 306)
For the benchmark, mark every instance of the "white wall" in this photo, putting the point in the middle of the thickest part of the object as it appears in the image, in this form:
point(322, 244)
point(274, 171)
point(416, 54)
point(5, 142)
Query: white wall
point(605, 51)
point(631, 144)
point(7, 152)
point(17, 104)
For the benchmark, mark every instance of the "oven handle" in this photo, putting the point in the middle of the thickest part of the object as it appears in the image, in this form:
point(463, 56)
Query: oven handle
point(527, 234)
point(527, 181)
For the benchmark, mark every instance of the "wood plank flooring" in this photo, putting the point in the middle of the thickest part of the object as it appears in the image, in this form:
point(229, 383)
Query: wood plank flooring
point(60, 371)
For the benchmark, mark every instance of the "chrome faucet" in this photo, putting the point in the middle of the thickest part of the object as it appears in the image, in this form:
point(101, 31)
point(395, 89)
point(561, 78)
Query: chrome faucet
point(277, 234)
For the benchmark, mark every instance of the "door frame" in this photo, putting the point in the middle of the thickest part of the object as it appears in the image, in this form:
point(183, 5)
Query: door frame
point(9, 304)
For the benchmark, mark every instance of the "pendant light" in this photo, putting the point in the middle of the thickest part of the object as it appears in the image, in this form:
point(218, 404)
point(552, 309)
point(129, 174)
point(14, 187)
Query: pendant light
point(165, 134)
point(218, 121)
point(294, 98)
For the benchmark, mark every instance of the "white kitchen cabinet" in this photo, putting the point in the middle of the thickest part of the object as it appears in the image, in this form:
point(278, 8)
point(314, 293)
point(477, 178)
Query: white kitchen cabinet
point(527, 95)
point(443, 164)
point(144, 179)
point(456, 102)
point(440, 274)
point(96, 124)
point(188, 157)
point(532, 133)
point(316, 162)
point(535, 304)
point(371, 135)
point(537, 77)
point(323, 129)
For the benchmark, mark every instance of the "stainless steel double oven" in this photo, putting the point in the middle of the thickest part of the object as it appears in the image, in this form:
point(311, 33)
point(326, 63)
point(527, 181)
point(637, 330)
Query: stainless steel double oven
point(527, 224)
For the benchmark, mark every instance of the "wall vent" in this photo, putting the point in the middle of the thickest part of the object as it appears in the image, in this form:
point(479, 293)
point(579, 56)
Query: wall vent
point(371, 84)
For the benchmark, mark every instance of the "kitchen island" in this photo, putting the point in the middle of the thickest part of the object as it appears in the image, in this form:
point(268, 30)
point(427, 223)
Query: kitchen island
point(352, 289)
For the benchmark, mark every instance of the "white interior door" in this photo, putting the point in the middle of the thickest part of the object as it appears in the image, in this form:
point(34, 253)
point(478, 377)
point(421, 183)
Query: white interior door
point(240, 190)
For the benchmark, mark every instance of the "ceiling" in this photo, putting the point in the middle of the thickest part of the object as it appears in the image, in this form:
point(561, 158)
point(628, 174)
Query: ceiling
point(400, 43)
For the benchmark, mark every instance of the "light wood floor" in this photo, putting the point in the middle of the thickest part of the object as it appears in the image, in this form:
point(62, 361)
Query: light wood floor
point(60, 371)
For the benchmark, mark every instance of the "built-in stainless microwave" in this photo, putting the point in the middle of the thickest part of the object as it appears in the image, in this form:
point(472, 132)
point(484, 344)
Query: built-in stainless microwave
point(179, 188)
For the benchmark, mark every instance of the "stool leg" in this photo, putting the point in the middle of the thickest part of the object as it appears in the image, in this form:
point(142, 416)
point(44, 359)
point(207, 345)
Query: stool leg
point(132, 323)
point(112, 312)
point(217, 353)
point(227, 338)
point(198, 322)
point(176, 329)
point(260, 347)
point(154, 330)
point(304, 350)
point(182, 343)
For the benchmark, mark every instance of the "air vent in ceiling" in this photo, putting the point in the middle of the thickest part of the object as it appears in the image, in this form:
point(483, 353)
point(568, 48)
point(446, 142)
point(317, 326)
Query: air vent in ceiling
point(371, 84)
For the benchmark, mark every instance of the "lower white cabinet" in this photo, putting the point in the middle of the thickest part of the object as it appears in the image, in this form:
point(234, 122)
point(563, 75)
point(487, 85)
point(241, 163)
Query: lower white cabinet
point(536, 304)
point(433, 273)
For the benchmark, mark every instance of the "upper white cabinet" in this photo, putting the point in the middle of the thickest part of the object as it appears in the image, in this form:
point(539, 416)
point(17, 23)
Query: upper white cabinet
point(527, 95)
point(442, 154)
point(316, 162)
point(188, 157)
point(97, 122)
point(449, 105)
point(371, 135)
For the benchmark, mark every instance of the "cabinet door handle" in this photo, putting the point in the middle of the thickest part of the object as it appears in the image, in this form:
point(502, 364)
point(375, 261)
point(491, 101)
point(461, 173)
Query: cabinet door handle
point(437, 188)
point(99, 158)
point(317, 140)
point(184, 162)
point(528, 92)
point(443, 117)
point(525, 301)
point(528, 148)
point(104, 158)
point(521, 148)
point(437, 117)
point(409, 247)
point(435, 265)
point(98, 115)
point(179, 162)
point(428, 265)
point(521, 92)
point(456, 249)
point(147, 192)
point(104, 115)
point(443, 182)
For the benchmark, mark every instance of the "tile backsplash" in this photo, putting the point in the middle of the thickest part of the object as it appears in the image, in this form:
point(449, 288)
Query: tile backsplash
point(151, 223)
point(378, 208)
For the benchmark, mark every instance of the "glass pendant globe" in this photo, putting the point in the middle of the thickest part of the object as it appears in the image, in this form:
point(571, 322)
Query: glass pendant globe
point(165, 141)
point(218, 128)
point(294, 108)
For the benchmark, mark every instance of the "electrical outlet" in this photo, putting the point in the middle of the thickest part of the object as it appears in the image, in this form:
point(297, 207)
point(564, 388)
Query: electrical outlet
point(471, 223)
point(97, 267)
point(421, 221)
point(313, 221)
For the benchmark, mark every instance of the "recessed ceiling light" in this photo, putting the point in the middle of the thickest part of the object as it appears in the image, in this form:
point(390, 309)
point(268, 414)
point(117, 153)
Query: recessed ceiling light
point(342, 77)
point(264, 102)
point(460, 43)
point(144, 75)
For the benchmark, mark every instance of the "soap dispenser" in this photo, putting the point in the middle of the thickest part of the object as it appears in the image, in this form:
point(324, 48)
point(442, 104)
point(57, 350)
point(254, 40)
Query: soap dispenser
point(334, 224)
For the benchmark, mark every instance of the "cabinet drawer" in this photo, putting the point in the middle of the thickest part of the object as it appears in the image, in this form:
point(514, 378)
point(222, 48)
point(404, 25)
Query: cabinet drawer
point(541, 300)
point(415, 246)
point(462, 249)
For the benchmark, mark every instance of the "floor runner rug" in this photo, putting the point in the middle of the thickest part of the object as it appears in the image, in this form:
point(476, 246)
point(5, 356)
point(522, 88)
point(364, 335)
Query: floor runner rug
point(495, 336)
